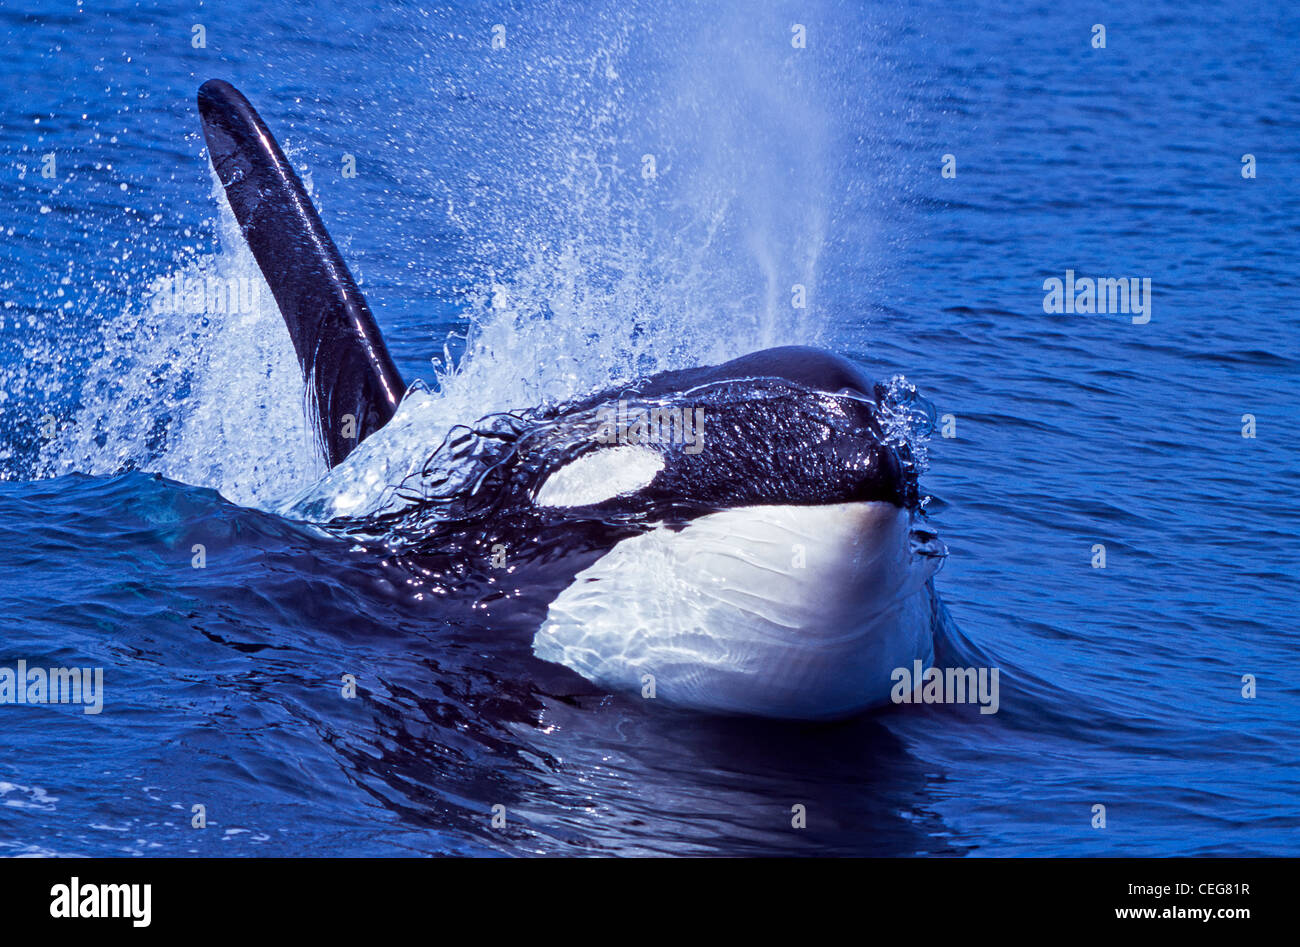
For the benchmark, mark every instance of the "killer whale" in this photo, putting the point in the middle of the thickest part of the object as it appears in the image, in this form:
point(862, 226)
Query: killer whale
point(781, 569)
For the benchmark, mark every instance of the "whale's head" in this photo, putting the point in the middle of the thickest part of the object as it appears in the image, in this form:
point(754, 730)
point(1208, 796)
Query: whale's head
point(780, 565)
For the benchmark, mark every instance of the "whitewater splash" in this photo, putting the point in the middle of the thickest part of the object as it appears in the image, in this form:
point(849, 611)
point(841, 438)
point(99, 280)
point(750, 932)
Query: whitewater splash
point(214, 399)
point(616, 235)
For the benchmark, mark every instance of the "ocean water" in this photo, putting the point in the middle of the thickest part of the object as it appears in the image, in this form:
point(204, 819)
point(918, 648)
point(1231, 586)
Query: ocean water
point(620, 188)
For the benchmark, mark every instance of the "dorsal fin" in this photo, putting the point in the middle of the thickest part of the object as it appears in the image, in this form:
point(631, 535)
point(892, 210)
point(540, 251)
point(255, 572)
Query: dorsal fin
point(344, 362)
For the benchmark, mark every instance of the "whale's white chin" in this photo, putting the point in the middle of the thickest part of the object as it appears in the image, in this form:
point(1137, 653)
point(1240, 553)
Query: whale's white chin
point(782, 611)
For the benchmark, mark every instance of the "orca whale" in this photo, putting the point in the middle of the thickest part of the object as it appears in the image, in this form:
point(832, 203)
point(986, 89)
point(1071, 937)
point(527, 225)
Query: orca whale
point(744, 538)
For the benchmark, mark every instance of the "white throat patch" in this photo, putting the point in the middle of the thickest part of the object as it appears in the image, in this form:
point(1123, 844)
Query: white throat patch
point(782, 611)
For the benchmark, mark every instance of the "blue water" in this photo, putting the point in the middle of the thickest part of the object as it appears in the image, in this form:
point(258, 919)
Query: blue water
point(514, 251)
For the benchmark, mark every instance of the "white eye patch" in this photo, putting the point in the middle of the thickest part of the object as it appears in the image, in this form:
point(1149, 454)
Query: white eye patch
point(599, 475)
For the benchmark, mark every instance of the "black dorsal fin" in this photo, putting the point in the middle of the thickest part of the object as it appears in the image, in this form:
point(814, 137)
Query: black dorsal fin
point(344, 362)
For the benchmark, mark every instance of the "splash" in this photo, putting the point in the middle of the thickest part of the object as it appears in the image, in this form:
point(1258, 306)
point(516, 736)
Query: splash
point(203, 388)
point(672, 216)
point(617, 234)
point(907, 420)
point(631, 195)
